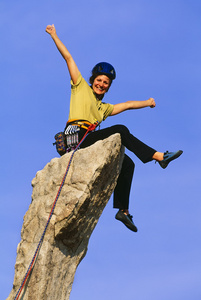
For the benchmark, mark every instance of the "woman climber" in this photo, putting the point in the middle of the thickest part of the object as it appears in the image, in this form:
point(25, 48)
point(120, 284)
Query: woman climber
point(86, 107)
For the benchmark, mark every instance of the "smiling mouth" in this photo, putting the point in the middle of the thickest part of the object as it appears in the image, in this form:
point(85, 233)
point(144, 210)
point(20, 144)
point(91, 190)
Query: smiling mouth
point(100, 89)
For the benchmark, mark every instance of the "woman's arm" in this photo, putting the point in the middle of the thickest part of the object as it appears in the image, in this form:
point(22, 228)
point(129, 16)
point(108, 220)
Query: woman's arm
point(72, 67)
point(120, 107)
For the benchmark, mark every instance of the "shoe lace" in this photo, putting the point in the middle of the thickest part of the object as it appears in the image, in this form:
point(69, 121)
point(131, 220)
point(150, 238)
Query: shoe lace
point(130, 217)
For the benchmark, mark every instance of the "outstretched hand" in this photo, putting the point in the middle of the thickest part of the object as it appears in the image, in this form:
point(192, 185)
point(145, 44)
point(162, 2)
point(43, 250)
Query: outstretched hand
point(152, 102)
point(50, 29)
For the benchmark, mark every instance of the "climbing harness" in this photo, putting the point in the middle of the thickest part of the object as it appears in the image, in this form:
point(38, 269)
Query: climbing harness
point(91, 127)
point(72, 132)
point(68, 140)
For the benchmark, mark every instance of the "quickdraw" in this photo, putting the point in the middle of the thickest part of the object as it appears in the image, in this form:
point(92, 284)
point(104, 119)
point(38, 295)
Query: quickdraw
point(91, 127)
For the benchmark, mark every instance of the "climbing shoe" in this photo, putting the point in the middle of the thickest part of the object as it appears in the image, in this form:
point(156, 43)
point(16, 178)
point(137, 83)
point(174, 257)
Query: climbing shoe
point(126, 219)
point(168, 157)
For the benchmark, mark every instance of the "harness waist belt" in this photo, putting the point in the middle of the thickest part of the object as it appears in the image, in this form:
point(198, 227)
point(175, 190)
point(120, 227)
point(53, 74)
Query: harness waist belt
point(81, 123)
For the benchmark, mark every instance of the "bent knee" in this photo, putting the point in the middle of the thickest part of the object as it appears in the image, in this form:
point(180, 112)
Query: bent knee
point(122, 129)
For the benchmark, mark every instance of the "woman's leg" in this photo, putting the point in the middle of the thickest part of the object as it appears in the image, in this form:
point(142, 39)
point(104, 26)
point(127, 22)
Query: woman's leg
point(122, 189)
point(122, 193)
point(141, 150)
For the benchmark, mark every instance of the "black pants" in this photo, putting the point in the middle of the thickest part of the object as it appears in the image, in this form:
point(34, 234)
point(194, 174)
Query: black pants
point(141, 150)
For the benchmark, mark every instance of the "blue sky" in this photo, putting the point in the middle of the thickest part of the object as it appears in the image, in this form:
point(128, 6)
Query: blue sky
point(155, 47)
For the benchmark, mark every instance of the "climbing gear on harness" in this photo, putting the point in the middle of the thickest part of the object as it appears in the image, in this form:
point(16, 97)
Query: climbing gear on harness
point(68, 140)
point(72, 137)
point(60, 143)
point(126, 219)
point(104, 68)
point(90, 128)
point(72, 132)
point(168, 157)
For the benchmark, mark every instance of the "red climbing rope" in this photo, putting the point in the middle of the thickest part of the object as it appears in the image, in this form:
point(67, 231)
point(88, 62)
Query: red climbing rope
point(90, 128)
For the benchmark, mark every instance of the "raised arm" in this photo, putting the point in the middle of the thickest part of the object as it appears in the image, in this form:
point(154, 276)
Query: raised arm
point(120, 107)
point(72, 67)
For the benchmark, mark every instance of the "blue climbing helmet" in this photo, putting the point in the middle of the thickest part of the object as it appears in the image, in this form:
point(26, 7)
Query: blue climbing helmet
point(104, 68)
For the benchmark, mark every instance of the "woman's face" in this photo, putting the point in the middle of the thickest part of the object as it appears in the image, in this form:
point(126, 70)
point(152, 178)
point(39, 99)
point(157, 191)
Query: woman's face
point(101, 85)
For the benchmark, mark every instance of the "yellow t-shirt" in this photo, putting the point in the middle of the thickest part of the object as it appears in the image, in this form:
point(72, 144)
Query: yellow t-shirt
point(84, 105)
